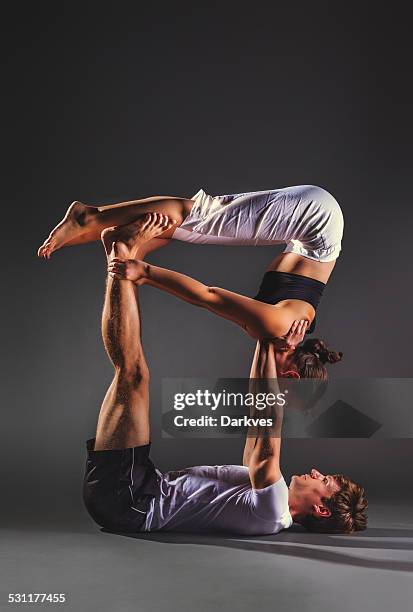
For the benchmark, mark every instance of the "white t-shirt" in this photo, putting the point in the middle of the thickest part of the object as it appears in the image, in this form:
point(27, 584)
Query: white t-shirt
point(218, 498)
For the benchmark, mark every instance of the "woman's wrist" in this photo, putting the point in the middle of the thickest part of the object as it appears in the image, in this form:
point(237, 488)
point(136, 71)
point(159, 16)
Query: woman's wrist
point(146, 271)
point(142, 273)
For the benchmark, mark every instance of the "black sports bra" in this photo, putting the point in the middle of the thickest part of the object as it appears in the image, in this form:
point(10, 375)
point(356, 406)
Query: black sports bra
point(278, 286)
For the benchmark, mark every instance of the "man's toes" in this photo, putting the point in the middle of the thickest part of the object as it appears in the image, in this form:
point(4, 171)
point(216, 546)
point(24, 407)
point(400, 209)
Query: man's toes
point(153, 221)
point(167, 222)
point(163, 220)
point(146, 222)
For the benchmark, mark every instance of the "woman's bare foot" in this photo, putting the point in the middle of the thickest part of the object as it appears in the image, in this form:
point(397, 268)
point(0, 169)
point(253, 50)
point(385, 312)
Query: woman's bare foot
point(129, 238)
point(73, 225)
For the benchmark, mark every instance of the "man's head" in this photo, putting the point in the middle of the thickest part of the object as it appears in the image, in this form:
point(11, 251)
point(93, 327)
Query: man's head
point(327, 503)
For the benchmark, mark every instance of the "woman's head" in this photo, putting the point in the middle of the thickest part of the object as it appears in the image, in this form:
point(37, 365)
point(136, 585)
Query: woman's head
point(307, 363)
point(310, 357)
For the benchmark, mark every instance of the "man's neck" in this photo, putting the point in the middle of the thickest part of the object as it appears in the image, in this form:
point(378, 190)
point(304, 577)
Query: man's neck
point(294, 507)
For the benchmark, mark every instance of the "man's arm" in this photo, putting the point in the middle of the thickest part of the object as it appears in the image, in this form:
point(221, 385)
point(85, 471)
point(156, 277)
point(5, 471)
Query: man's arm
point(251, 439)
point(262, 449)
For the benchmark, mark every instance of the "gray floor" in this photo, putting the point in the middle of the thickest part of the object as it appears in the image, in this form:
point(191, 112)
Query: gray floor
point(291, 571)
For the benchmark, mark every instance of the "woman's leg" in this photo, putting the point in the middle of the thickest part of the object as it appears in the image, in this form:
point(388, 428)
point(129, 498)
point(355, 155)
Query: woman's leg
point(83, 224)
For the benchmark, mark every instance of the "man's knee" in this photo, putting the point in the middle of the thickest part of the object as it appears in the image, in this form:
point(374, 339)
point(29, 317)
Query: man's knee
point(133, 373)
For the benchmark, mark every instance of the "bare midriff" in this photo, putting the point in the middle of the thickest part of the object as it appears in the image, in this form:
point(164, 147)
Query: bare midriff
point(297, 264)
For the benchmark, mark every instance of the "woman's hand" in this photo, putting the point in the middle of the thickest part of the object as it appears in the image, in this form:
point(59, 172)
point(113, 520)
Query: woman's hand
point(292, 338)
point(127, 269)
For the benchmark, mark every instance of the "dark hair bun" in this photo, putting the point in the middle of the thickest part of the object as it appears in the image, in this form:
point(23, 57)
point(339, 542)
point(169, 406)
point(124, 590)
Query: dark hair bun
point(334, 356)
point(318, 348)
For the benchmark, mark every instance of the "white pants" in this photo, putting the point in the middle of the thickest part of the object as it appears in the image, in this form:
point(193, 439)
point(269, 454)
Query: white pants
point(305, 217)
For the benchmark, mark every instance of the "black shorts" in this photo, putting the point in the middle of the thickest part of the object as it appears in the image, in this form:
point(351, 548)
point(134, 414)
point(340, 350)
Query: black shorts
point(119, 486)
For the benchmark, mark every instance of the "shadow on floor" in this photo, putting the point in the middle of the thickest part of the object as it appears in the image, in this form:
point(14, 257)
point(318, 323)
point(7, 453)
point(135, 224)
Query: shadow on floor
point(296, 542)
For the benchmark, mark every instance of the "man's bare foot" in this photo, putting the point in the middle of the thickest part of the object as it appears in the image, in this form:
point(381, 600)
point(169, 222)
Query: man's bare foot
point(73, 224)
point(130, 237)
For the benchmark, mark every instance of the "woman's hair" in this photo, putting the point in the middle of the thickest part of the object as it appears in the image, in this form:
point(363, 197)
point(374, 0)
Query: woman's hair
point(347, 507)
point(310, 357)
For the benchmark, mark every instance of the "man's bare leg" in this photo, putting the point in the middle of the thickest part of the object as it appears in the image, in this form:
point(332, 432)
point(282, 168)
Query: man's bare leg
point(82, 223)
point(124, 416)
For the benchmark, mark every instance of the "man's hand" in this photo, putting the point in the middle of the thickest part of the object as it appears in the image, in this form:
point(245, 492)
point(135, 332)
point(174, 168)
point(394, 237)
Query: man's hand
point(293, 337)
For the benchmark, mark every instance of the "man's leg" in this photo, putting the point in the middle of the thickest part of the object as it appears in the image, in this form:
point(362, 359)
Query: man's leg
point(124, 416)
point(120, 478)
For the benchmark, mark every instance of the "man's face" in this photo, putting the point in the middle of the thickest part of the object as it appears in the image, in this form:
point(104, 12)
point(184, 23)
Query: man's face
point(310, 489)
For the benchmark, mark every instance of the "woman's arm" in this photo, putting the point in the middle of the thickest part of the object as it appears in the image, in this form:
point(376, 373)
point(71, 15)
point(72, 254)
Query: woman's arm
point(258, 319)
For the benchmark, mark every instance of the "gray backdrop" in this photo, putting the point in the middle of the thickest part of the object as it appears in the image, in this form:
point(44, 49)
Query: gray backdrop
point(104, 107)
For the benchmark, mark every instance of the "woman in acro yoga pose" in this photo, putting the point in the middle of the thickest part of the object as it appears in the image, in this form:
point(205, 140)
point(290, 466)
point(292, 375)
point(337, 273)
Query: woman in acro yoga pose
point(305, 217)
